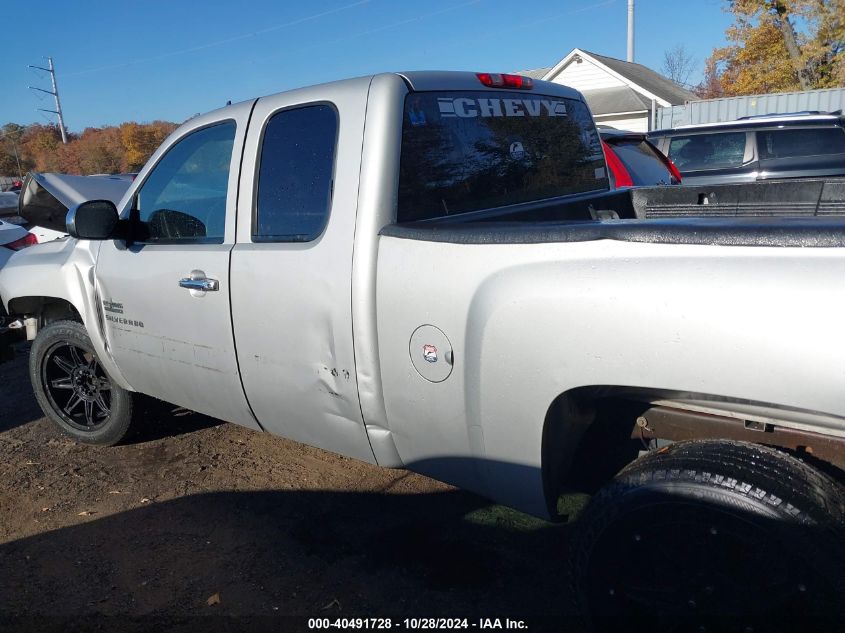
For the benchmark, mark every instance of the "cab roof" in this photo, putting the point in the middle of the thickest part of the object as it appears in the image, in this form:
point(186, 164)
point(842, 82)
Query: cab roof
point(428, 80)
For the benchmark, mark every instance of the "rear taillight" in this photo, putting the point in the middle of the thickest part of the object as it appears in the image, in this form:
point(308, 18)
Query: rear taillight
point(621, 176)
point(673, 169)
point(28, 240)
point(500, 80)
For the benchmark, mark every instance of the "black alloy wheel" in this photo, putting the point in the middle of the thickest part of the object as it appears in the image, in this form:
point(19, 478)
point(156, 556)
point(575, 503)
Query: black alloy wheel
point(73, 388)
point(77, 386)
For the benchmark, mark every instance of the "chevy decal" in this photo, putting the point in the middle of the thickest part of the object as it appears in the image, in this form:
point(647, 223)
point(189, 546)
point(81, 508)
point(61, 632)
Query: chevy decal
point(466, 108)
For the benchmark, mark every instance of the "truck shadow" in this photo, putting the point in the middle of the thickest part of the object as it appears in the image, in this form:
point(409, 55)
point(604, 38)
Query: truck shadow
point(17, 401)
point(269, 560)
point(160, 419)
point(271, 553)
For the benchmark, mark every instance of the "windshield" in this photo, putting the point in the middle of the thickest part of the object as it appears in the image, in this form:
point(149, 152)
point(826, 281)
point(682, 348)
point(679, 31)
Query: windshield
point(466, 151)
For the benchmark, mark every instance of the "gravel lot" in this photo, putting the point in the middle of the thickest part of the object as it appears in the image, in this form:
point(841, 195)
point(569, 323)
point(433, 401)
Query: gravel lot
point(194, 517)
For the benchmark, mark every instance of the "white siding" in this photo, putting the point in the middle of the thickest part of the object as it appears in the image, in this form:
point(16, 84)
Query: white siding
point(634, 123)
point(586, 76)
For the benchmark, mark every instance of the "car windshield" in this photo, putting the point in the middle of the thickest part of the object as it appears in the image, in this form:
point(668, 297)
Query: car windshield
point(466, 151)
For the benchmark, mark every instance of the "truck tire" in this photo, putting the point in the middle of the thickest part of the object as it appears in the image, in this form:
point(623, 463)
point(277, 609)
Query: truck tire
point(72, 388)
point(713, 535)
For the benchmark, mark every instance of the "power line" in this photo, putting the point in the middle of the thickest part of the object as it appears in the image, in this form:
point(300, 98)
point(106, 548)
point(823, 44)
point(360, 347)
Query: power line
point(228, 40)
point(55, 92)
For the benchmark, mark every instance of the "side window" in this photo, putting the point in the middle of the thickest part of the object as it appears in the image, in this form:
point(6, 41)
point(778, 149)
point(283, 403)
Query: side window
point(295, 177)
point(707, 151)
point(787, 143)
point(184, 197)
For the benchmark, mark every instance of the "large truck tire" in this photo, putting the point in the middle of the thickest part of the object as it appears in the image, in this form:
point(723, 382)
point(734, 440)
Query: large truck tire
point(72, 388)
point(713, 535)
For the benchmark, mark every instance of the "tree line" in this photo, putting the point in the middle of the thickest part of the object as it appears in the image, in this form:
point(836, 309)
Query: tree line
point(773, 46)
point(106, 150)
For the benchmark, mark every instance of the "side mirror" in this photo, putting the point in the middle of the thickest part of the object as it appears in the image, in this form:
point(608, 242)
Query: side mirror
point(92, 220)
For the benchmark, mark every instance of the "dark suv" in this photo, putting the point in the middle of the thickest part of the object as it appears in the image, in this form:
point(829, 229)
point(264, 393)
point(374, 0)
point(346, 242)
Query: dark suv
point(797, 145)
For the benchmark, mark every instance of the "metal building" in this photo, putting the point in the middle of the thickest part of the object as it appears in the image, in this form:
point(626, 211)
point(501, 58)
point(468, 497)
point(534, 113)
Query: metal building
point(732, 108)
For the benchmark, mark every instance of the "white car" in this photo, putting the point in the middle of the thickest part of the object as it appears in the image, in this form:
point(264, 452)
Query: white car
point(46, 235)
point(13, 238)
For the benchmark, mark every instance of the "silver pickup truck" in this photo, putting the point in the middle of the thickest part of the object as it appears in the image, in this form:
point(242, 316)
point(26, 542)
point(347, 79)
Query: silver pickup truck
point(428, 270)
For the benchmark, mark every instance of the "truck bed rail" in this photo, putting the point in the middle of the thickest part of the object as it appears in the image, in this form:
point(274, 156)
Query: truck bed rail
point(812, 232)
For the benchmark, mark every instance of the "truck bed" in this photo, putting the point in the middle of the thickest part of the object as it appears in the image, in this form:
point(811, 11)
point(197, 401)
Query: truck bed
point(775, 198)
point(806, 212)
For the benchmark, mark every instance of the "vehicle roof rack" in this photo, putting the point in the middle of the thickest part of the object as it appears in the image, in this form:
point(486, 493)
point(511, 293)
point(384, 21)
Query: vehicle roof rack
point(784, 114)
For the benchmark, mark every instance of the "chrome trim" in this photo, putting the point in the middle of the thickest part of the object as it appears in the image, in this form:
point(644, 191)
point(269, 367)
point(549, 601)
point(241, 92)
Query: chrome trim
point(205, 285)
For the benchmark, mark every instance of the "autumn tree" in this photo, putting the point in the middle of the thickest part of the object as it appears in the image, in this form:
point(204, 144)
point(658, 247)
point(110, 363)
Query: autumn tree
point(96, 151)
point(825, 53)
point(11, 161)
point(140, 141)
point(40, 144)
point(106, 150)
point(779, 46)
point(711, 86)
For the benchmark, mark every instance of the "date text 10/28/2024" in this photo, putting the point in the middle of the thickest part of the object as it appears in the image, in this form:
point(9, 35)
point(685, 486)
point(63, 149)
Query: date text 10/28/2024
point(431, 624)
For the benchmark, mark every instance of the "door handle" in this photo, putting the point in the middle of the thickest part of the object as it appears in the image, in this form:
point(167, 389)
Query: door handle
point(198, 281)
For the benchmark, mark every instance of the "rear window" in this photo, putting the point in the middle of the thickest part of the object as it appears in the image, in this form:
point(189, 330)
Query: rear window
point(642, 162)
point(466, 151)
point(708, 151)
point(787, 143)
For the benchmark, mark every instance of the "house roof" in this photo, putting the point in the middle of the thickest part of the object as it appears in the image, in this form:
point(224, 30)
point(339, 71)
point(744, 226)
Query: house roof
point(652, 81)
point(537, 73)
point(614, 100)
point(641, 80)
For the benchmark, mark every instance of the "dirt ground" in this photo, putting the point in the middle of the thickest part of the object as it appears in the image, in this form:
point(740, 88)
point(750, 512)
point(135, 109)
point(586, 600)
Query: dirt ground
point(194, 517)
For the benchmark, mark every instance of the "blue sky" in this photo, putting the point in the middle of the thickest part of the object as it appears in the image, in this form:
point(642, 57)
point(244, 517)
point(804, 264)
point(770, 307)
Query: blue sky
point(141, 61)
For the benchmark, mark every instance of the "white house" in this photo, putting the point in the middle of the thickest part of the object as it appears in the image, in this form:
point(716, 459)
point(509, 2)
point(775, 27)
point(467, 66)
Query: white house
point(620, 94)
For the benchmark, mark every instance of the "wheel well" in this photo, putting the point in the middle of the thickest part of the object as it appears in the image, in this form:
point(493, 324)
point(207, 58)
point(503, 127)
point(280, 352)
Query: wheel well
point(46, 309)
point(591, 433)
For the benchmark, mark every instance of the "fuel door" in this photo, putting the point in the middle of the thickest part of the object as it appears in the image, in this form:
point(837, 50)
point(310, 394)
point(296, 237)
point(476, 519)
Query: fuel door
point(431, 353)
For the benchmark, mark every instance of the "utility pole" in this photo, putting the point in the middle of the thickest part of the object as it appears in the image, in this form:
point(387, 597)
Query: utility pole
point(55, 93)
point(630, 30)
